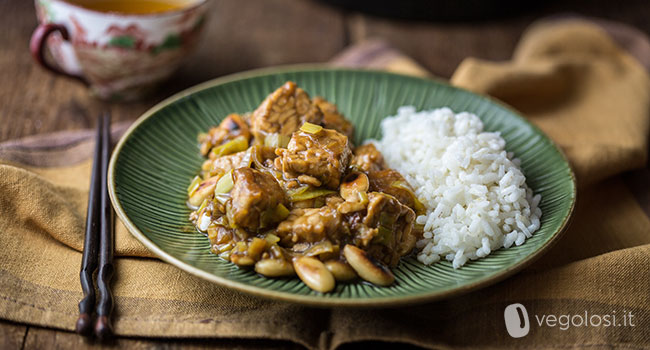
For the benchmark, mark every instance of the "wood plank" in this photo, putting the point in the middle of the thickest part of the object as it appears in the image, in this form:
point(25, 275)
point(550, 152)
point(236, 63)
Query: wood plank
point(11, 335)
point(41, 338)
point(441, 46)
point(34, 101)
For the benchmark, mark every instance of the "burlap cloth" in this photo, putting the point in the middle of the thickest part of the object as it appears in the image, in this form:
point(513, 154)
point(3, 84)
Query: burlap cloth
point(569, 77)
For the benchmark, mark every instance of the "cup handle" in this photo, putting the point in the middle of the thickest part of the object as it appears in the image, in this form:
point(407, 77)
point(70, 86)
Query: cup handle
point(37, 49)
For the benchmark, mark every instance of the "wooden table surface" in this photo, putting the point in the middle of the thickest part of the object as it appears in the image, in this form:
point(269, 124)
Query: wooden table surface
point(242, 35)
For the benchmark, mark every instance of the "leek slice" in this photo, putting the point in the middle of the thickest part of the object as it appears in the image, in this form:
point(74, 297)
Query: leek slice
point(309, 194)
point(238, 144)
point(225, 183)
point(311, 128)
point(194, 185)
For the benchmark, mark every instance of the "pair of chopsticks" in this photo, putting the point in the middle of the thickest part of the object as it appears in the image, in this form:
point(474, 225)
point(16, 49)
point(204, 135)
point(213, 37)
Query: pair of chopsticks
point(98, 242)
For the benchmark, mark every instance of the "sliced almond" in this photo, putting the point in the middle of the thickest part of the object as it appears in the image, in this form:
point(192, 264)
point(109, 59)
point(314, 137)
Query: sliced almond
point(314, 273)
point(274, 268)
point(342, 272)
point(366, 268)
point(242, 260)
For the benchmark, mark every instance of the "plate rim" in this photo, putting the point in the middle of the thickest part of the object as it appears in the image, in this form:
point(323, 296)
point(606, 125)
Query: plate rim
point(318, 300)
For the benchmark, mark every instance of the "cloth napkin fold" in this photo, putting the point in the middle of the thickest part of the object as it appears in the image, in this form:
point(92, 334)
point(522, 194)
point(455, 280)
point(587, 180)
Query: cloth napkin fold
point(569, 77)
point(578, 86)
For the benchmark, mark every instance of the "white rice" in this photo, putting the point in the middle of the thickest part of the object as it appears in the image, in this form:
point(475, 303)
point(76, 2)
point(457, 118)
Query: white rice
point(476, 196)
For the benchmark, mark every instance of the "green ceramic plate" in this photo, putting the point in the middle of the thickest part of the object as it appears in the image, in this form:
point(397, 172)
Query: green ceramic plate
point(157, 158)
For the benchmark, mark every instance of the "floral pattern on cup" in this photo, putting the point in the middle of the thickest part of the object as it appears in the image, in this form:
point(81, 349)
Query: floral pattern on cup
point(121, 56)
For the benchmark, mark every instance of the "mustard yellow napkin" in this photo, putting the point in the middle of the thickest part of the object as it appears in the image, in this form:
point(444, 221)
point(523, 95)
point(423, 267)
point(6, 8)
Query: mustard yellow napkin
point(579, 87)
point(568, 77)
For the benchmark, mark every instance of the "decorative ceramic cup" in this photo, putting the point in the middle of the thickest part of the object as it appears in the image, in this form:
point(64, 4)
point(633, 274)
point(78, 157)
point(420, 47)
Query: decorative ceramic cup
point(119, 56)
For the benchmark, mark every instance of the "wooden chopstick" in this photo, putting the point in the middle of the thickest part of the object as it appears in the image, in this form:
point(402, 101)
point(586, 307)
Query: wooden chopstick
point(103, 327)
point(98, 244)
point(91, 241)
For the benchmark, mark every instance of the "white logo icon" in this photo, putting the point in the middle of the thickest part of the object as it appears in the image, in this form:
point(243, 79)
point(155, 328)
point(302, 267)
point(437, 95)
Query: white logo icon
point(517, 322)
